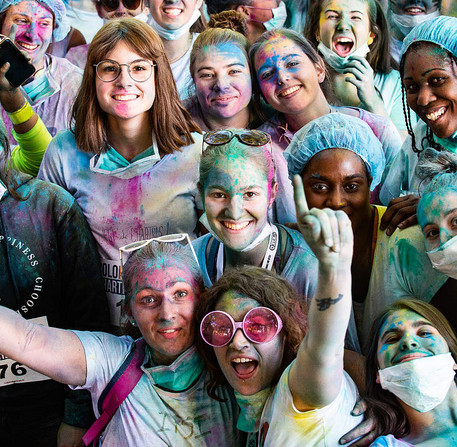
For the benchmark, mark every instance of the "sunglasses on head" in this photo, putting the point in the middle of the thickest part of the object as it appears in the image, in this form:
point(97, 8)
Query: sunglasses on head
point(113, 5)
point(169, 238)
point(248, 137)
point(259, 325)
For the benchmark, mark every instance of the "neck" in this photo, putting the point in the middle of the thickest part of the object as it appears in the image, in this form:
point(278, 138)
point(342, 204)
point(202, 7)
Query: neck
point(130, 137)
point(239, 121)
point(176, 49)
point(439, 423)
point(319, 108)
point(252, 257)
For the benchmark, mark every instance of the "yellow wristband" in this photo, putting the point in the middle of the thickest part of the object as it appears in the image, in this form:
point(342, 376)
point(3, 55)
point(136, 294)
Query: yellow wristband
point(22, 115)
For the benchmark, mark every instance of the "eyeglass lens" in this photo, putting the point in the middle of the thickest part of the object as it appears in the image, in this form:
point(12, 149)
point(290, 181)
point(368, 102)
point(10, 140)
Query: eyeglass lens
point(112, 5)
point(260, 325)
point(139, 71)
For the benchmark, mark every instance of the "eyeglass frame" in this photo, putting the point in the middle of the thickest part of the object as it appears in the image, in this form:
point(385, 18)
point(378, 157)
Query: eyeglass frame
point(153, 64)
point(240, 325)
point(162, 239)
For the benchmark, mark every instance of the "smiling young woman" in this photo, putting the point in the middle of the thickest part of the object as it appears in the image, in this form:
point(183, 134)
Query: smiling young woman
point(53, 88)
point(131, 157)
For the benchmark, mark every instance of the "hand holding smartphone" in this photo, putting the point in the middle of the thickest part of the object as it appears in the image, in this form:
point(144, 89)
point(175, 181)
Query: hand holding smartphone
point(20, 68)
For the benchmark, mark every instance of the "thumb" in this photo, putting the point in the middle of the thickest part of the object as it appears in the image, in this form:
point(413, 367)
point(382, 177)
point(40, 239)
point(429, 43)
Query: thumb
point(12, 33)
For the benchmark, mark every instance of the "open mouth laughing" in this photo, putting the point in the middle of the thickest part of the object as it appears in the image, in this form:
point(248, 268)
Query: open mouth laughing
point(343, 46)
point(172, 11)
point(244, 367)
point(436, 114)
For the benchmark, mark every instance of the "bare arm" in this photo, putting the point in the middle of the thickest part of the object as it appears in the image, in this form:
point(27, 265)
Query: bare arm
point(315, 377)
point(57, 353)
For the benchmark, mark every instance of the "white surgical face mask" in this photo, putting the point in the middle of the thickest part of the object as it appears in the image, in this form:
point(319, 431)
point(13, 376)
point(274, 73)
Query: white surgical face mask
point(278, 19)
point(404, 23)
point(444, 258)
point(420, 383)
point(338, 63)
point(174, 34)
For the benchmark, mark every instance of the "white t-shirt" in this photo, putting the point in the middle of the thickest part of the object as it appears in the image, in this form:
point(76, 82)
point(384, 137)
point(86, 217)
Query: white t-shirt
point(150, 416)
point(282, 425)
point(389, 441)
point(181, 72)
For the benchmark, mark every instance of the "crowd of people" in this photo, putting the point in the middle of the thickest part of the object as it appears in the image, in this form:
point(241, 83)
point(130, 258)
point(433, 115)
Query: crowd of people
point(229, 223)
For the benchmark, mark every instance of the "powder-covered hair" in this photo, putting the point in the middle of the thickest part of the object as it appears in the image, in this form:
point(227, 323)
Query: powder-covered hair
point(269, 290)
point(160, 254)
point(379, 56)
point(234, 149)
point(298, 40)
point(170, 121)
point(390, 417)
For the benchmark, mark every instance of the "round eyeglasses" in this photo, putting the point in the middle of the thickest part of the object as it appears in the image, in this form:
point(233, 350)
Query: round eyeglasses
point(139, 70)
point(259, 325)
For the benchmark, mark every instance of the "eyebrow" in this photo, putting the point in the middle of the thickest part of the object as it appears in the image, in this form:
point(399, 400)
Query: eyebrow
point(416, 324)
point(425, 73)
point(167, 286)
point(224, 66)
point(349, 177)
point(446, 214)
point(338, 12)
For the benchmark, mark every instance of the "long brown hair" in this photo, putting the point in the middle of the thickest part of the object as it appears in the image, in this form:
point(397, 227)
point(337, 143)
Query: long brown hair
point(170, 121)
point(269, 290)
point(390, 417)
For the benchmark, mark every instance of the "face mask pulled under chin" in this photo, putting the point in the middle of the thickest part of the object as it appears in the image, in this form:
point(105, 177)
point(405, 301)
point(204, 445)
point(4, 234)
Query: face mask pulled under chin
point(404, 23)
point(444, 258)
point(421, 383)
point(339, 63)
point(278, 19)
point(174, 34)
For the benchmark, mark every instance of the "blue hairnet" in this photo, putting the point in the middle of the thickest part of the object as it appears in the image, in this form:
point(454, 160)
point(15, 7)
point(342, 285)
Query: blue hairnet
point(336, 130)
point(56, 6)
point(440, 30)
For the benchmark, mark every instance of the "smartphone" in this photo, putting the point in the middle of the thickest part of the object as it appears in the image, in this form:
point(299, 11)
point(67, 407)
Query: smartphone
point(20, 68)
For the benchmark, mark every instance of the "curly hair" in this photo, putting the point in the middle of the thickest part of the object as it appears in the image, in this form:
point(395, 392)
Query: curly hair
point(390, 417)
point(269, 290)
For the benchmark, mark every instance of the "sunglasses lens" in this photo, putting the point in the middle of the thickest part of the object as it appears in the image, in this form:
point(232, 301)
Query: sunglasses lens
point(261, 325)
point(132, 4)
point(216, 329)
point(254, 138)
point(218, 137)
point(109, 5)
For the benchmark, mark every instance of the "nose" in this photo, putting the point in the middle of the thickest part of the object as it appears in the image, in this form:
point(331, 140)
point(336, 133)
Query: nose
point(445, 236)
point(31, 31)
point(343, 24)
point(221, 83)
point(408, 342)
point(121, 11)
point(235, 208)
point(239, 341)
point(167, 310)
point(282, 76)
point(124, 79)
point(336, 199)
point(425, 96)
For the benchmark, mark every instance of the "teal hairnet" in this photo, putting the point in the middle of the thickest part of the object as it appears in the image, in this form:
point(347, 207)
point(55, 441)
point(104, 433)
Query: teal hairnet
point(441, 31)
point(336, 130)
point(58, 9)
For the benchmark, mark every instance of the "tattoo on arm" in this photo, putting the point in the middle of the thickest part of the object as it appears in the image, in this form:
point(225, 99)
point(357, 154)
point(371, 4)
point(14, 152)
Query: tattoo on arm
point(325, 303)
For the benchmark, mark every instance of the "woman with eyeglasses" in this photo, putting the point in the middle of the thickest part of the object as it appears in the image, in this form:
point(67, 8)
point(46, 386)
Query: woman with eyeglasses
point(178, 25)
point(169, 405)
point(131, 157)
point(288, 378)
point(238, 187)
point(52, 89)
point(219, 65)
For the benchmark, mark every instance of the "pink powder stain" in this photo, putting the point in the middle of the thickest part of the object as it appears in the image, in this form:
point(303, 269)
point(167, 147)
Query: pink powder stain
point(122, 109)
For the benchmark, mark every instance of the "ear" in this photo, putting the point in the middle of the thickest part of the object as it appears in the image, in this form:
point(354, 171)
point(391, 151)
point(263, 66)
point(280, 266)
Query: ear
point(317, 35)
point(371, 38)
point(377, 378)
point(199, 4)
point(370, 181)
point(243, 10)
point(320, 69)
point(274, 191)
point(99, 9)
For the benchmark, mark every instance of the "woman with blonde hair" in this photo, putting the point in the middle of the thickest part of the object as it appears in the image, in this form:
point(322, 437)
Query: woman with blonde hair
point(131, 156)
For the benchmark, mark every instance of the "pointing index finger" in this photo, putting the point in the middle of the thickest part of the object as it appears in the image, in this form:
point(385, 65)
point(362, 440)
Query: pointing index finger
point(301, 205)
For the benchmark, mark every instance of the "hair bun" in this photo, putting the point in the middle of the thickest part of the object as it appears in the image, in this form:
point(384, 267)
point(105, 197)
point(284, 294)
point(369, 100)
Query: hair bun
point(231, 19)
point(435, 162)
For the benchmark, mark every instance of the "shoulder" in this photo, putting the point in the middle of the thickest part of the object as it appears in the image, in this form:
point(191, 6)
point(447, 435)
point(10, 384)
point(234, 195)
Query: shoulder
point(62, 69)
point(389, 441)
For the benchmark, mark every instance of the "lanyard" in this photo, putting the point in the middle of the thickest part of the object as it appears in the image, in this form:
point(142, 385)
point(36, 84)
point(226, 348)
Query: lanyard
point(268, 259)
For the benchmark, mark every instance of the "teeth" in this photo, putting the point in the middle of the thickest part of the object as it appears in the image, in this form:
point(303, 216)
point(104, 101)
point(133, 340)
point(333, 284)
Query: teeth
point(172, 11)
point(344, 40)
point(435, 115)
point(236, 226)
point(289, 91)
point(241, 360)
point(27, 46)
point(124, 97)
point(168, 331)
